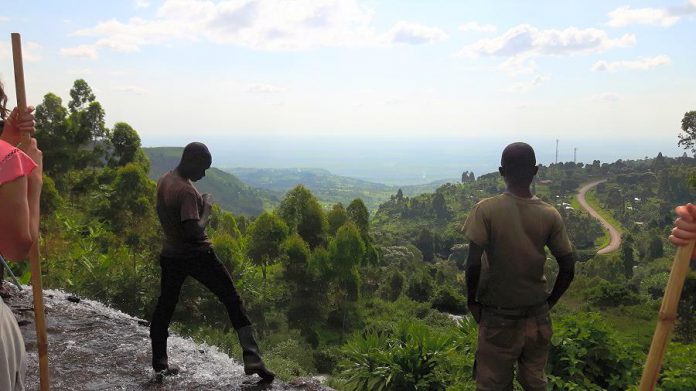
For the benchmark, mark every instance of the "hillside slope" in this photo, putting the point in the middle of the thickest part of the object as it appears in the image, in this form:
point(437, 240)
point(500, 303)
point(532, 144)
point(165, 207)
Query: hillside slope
point(229, 192)
point(326, 186)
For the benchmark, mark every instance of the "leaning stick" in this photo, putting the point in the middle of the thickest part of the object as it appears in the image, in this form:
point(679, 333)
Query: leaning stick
point(34, 257)
point(667, 317)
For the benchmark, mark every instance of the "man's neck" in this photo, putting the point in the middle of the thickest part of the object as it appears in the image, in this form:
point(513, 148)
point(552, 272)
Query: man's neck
point(519, 191)
point(180, 175)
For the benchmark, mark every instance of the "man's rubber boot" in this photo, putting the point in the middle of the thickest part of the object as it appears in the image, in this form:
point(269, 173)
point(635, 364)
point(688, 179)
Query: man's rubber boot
point(250, 354)
point(160, 361)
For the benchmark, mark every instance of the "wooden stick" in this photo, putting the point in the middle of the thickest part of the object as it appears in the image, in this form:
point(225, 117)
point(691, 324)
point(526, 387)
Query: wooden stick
point(667, 317)
point(34, 256)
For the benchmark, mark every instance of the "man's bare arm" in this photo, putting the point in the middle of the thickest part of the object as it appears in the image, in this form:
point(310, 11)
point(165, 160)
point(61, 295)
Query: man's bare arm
point(473, 275)
point(566, 272)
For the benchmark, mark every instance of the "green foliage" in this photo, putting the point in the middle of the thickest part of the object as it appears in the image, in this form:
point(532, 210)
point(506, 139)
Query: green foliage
point(420, 287)
point(587, 354)
point(80, 95)
point(688, 126)
point(679, 368)
point(394, 286)
point(607, 294)
point(126, 145)
point(266, 235)
point(303, 214)
point(447, 299)
point(358, 214)
point(336, 218)
point(407, 359)
point(347, 249)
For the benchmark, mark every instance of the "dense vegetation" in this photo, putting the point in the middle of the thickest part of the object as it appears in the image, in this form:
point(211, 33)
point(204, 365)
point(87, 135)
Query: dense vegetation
point(367, 300)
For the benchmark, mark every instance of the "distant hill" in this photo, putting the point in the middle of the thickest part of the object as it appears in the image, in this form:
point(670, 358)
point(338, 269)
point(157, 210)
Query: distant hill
point(229, 192)
point(327, 187)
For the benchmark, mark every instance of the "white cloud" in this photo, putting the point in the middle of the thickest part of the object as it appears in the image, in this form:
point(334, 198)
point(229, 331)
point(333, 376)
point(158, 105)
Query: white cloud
point(643, 63)
point(414, 34)
point(479, 28)
point(528, 85)
point(519, 65)
point(4, 18)
point(142, 3)
point(528, 41)
point(624, 16)
point(265, 88)
point(256, 24)
point(82, 51)
point(132, 89)
point(606, 97)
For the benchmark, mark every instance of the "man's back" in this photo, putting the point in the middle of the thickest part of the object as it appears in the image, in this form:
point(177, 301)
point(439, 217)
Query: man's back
point(514, 231)
point(179, 201)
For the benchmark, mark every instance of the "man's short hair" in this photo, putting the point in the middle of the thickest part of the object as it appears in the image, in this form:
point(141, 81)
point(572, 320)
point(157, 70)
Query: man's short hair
point(518, 163)
point(196, 152)
point(518, 155)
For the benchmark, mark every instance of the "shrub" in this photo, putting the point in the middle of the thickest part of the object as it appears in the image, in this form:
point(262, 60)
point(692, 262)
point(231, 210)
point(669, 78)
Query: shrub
point(606, 294)
point(449, 300)
point(586, 354)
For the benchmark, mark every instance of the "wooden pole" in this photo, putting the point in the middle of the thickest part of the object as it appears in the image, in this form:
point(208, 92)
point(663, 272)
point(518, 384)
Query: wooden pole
point(667, 317)
point(34, 256)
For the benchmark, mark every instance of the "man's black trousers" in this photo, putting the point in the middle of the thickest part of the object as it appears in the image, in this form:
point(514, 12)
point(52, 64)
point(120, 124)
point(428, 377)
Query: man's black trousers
point(209, 271)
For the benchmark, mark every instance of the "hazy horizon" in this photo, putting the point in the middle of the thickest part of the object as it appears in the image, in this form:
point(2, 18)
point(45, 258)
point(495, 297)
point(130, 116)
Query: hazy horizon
point(408, 160)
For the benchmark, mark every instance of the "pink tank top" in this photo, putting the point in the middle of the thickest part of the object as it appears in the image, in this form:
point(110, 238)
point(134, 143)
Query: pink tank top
point(13, 163)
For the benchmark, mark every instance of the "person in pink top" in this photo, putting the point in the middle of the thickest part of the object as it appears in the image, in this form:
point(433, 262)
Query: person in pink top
point(21, 169)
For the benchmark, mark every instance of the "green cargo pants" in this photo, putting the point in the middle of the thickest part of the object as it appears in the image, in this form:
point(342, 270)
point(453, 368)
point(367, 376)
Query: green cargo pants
point(509, 337)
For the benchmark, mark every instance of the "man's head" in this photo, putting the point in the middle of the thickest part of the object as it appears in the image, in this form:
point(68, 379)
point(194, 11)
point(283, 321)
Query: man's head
point(194, 161)
point(518, 164)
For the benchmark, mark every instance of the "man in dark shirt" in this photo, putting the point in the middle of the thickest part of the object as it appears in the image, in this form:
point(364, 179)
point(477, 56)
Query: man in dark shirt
point(187, 251)
point(511, 303)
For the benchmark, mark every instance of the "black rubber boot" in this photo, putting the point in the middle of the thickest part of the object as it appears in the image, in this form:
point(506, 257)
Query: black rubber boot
point(251, 356)
point(160, 361)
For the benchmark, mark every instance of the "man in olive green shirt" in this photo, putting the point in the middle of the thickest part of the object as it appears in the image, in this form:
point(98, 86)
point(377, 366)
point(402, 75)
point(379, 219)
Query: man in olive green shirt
point(511, 303)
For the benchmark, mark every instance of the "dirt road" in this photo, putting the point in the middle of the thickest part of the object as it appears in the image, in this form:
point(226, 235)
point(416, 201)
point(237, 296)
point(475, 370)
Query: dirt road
point(615, 241)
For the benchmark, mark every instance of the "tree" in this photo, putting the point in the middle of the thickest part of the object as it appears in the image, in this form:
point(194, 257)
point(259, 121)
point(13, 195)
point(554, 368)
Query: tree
point(424, 242)
point(358, 214)
point(399, 195)
point(80, 95)
point(303, 214)
point(688, 126)
point(347, 250)
point(336, 218)
point(266, 235)
point(126, 144)
point(307, 288)
point(440, 206)
point(627, 257)
point(52, 135)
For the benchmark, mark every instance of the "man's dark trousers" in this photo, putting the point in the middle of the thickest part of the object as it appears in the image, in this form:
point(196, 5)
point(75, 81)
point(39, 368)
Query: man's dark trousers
point(209, 271)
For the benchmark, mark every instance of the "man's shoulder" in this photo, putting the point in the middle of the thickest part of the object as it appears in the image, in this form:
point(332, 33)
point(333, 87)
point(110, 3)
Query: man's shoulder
point(490, 201)
point(172, 183)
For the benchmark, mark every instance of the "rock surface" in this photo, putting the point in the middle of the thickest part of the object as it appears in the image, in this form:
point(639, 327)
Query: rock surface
point(94, 347)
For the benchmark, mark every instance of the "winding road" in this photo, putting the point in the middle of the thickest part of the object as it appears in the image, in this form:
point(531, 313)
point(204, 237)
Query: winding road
point(615, 241)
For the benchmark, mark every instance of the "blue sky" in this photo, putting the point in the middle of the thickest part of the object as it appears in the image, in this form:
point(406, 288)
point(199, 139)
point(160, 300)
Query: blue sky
point(219, 70)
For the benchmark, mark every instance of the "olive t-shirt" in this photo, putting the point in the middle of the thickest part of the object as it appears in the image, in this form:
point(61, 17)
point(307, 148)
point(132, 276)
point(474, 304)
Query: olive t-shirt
point(513, 232)
point(178, 201)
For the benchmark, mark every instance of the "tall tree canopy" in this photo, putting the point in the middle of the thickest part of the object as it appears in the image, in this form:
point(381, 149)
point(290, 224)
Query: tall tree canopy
point(688, 126)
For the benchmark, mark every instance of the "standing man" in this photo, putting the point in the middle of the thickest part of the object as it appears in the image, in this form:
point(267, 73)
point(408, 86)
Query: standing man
point(511, 305)
point(187, 251)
